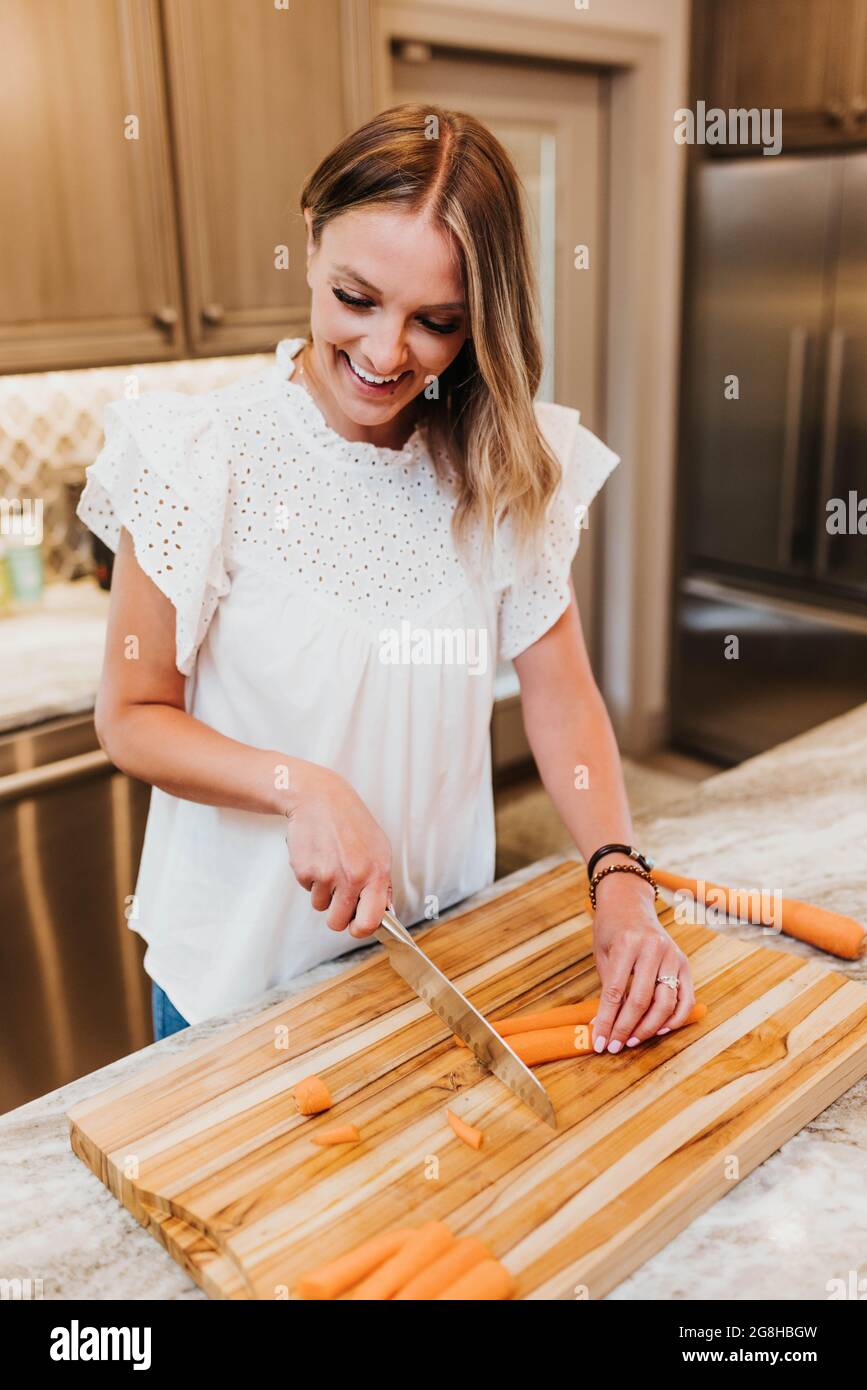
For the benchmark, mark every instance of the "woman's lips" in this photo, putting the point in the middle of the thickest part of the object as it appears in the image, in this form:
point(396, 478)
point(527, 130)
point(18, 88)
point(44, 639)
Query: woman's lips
point(365, 387)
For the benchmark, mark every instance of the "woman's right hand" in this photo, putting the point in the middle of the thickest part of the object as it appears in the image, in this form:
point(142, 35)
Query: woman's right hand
point(338, 851)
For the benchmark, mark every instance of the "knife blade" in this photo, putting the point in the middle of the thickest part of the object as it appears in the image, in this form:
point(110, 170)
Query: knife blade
point(446, 1000)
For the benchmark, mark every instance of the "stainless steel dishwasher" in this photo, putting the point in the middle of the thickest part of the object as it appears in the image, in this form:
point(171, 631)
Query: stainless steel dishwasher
point(73, 992)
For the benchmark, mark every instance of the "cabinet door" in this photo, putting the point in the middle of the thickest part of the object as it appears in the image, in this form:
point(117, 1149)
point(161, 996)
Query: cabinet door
point(257, 98)
point(791, 54)
point(88, 249)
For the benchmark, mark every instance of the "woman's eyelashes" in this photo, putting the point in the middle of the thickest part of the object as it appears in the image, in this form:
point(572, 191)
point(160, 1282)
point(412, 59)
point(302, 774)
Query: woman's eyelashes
point(367, 304)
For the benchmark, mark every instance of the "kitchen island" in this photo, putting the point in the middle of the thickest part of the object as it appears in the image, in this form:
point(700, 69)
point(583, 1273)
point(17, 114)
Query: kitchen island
point(795, 817)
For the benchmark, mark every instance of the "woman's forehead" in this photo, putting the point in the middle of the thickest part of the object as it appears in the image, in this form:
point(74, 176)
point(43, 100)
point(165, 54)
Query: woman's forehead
point(378, 246)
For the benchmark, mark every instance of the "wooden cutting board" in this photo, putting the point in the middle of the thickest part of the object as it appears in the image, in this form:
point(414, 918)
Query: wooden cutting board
point(208, 1152)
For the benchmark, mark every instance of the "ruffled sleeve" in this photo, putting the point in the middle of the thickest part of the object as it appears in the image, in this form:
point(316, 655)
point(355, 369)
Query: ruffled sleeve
point(163, 475)
point(530, 603)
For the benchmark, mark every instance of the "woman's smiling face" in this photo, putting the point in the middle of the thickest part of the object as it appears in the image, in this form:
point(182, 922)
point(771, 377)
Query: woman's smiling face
point(387, 301)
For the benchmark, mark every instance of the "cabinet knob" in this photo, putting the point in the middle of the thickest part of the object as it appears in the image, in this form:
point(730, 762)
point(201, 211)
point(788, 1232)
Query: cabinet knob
point(836, 112)
point(213, 313)
point(859, 109)
point(166, 317)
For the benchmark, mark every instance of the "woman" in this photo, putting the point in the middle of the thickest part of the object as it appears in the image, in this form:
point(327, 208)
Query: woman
point(315, 573)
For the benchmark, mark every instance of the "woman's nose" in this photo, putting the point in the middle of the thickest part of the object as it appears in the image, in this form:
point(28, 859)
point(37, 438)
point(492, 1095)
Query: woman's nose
point(386, 355)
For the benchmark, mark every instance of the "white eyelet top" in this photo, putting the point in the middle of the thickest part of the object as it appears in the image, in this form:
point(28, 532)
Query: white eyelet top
point(322, 610)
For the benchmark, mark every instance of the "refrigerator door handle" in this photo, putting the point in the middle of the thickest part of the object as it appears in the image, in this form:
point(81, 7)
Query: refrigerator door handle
point(798, 342)
point(830, 436)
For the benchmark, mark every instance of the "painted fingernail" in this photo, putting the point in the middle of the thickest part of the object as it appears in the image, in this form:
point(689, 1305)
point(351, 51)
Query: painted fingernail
point(661, 1031)
point(615, 1046)
point(630, 1042)
point(599, 1045)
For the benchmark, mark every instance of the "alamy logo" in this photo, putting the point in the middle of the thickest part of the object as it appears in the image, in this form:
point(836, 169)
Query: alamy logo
point(20, 1290)
point(436, 646)
point(76, 1343)
point(737, 126)
point(22, 517)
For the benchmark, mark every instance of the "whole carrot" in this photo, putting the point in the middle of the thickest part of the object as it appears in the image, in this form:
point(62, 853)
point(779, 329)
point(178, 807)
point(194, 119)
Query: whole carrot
point(484, 1282)
point(421, 1248)
point(465, 1253)
point(333, 1278)
point(552, 1044)
point(830, 931)
point(563, 1016)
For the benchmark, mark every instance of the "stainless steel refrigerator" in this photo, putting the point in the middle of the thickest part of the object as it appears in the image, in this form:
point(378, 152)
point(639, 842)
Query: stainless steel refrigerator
point(774, 429)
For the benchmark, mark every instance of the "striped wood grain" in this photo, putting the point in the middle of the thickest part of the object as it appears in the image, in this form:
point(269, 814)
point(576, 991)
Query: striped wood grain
point(209, 1153)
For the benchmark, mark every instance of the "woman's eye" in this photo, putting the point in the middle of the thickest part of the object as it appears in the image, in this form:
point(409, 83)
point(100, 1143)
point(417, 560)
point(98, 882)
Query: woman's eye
point(353, 303)
point(366, 304)
point(439, 327)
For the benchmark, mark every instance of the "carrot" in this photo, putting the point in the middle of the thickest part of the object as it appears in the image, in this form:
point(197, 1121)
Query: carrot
point(312, 1096)
point(341, 1134)
point(583, 1012)
point(421, 1248)
point(830, 931)
point(552, 1044)
point(431, 1281)
point(329, 1280)
point(487, 1280)
point(470, 1136)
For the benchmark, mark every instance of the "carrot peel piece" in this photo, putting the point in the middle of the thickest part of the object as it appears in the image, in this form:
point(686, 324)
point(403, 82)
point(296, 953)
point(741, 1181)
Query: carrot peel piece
point(312, 1096)
point(468, 1133)
point(341, 1134)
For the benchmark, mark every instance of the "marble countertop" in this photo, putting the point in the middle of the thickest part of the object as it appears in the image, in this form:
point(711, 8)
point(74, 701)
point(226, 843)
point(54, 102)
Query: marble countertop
point(797, 813)
point(51, 654)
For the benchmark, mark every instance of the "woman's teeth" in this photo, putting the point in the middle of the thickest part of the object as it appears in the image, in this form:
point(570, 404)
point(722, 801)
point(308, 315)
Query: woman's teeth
point(368, 377)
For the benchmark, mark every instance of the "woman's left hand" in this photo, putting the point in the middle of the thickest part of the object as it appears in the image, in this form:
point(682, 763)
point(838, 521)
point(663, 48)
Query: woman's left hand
point(629, 940)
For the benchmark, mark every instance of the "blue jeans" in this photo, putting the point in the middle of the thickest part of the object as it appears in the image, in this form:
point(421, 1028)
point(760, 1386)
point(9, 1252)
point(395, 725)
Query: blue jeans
point(166, 1018)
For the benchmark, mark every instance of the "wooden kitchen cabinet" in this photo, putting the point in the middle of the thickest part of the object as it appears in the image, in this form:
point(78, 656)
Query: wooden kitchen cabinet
point(89, 267)
point(186, 239)
point(807, 57)
point(258, 96)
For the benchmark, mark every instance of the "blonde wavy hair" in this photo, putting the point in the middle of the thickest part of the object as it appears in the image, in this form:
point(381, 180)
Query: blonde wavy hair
point(449, 166)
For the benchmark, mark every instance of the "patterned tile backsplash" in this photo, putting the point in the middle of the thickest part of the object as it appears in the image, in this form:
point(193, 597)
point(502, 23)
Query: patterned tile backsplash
point(51, 429)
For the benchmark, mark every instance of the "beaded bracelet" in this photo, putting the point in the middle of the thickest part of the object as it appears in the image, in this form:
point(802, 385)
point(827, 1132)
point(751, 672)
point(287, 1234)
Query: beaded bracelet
point(620, 869)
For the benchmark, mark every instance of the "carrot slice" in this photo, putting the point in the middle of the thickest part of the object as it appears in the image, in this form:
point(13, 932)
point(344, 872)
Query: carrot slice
point(420, 1249)
point(830, 931)
point(470, 1136)
point(552, 1044)
point(465, 1253)
point(487, 1280)
point(583, 1012)
point(312, 1096)
point(341, 1134)
point(338, 1275)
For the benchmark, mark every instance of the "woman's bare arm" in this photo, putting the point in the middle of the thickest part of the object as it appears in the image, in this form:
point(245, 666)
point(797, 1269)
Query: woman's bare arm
point(568, 727)
point(336, 848)
point(140, 717)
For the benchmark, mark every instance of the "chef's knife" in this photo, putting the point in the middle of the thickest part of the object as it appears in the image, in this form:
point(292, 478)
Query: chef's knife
point(437, 990)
